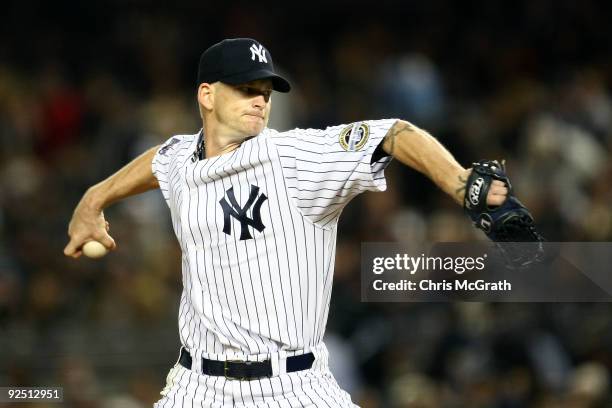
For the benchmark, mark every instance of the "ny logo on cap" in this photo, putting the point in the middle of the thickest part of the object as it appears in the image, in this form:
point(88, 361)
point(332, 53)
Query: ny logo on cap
point(258, 49)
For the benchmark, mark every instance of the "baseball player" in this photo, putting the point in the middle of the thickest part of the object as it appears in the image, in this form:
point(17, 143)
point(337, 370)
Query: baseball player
point(255, 212)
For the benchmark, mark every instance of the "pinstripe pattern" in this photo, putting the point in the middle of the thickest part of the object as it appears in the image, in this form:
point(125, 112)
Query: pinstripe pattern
point(249, 299)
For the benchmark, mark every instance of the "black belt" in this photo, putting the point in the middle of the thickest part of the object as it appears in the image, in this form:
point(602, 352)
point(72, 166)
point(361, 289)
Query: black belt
point(246, 370)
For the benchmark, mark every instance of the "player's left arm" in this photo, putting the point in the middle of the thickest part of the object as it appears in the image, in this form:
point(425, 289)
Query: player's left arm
point(418, 149)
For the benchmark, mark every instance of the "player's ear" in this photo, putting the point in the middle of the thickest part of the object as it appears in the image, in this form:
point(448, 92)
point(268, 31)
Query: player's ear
point(206, 95)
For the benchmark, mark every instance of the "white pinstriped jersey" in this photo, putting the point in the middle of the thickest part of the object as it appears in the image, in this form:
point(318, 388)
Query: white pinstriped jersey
point(257, 228)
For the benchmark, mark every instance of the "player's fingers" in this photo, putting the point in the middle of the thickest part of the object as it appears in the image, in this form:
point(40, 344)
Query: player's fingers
point(497, 195)
point(107, 241)
point(498, 183)
point(68, 250)
point(495, 200)
point(72, 244)
point(73, 249)
point(497, 190)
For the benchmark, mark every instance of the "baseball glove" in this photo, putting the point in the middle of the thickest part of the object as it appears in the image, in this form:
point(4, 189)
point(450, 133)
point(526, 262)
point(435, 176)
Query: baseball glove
point(508, 223)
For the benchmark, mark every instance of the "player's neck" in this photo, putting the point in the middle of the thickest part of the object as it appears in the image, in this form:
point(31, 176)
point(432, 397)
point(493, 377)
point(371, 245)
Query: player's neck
point(216, 149)
point(219, 140)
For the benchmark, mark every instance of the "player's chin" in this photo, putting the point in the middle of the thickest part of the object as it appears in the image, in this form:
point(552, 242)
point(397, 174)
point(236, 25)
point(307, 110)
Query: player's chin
point(253, 127)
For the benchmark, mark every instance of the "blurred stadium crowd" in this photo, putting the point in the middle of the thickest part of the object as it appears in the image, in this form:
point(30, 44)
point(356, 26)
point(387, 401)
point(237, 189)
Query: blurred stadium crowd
point(86, 86)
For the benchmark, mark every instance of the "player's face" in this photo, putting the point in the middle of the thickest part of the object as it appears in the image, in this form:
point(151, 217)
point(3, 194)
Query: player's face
point(244, 108)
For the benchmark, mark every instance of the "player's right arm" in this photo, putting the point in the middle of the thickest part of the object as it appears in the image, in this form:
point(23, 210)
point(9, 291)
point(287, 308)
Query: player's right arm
point(416, 148)
point(88, 221)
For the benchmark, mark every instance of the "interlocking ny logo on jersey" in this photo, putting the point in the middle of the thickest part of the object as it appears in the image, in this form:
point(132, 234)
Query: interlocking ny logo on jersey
point(240, 213)
point(258, 49)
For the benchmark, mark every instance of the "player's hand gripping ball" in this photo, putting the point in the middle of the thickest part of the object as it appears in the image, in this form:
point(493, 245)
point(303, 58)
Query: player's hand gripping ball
point(94, 249)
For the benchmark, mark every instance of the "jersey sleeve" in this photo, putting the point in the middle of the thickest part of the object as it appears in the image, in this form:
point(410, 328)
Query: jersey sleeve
point(326, 168)
point(165, 159)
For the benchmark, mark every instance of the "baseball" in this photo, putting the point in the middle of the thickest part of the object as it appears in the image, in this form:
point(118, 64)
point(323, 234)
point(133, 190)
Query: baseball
point(94, 249)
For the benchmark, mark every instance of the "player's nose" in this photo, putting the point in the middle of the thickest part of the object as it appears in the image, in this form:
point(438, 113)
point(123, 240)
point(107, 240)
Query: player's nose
point(259, 101)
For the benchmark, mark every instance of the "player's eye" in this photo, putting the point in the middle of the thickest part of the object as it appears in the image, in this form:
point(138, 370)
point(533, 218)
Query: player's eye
point(251, 91)
point(266, 94)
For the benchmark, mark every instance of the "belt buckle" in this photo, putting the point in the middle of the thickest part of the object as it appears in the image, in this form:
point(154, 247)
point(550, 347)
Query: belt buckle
point(225, 368)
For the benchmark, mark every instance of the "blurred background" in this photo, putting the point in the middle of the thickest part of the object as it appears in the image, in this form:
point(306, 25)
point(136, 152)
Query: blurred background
point(87, 86)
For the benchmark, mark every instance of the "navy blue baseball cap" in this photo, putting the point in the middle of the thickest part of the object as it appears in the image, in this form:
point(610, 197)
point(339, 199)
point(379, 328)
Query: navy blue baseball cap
point(237, 61)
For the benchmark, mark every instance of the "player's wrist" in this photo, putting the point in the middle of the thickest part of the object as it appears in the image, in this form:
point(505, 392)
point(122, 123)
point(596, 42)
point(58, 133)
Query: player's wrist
point(94, 199)
point(455, 182)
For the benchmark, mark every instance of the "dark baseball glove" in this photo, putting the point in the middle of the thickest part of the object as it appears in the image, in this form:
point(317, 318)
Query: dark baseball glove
point(506, 224)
